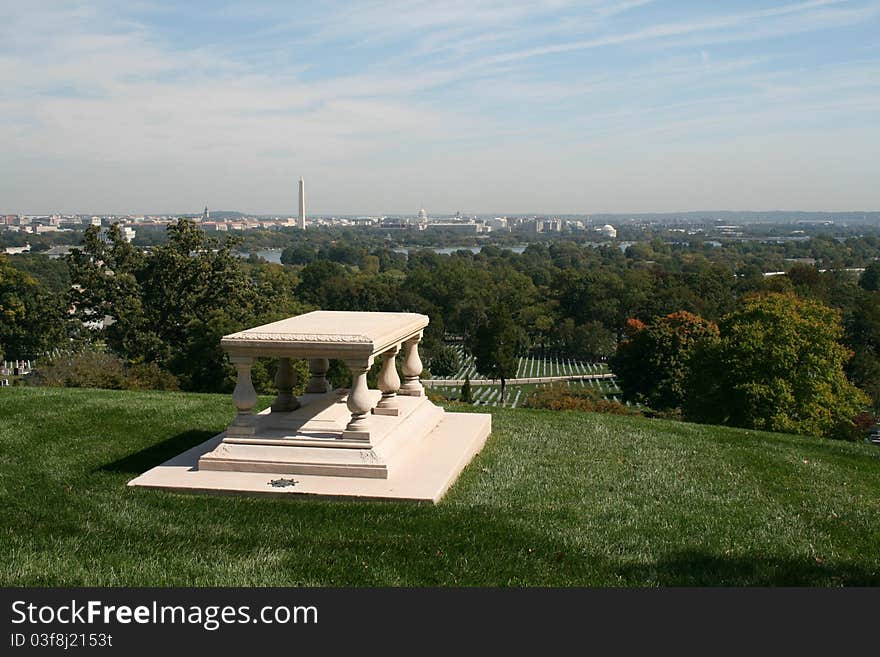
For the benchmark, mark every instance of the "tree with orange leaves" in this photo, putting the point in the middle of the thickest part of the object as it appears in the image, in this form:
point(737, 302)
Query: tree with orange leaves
point(653, 362)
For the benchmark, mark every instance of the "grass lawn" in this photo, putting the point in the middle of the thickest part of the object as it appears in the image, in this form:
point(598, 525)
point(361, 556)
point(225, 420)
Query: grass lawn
point(556, 498)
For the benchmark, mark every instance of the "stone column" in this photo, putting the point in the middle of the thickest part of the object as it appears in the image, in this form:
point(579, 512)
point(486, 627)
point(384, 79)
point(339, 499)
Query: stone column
point(412, 368)
point(318, 369)
point(244, 397)
point(359, 401)
point(389, 384)
point(285, 401)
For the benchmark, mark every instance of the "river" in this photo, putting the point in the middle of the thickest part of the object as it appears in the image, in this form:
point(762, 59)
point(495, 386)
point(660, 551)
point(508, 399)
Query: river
point(274, 255)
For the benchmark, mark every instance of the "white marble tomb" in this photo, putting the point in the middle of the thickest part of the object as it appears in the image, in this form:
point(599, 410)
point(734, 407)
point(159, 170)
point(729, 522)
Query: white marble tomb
point(390, 443)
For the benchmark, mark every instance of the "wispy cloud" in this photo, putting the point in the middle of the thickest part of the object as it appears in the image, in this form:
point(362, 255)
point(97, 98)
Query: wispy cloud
point(156, 106)
point(666, 30)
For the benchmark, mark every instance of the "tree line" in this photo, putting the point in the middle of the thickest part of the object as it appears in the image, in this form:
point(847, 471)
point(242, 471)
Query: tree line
point(170, 304)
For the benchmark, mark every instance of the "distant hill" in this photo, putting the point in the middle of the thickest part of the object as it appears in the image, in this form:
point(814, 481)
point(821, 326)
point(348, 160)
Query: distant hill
point(702, 216)
point(554, 499)
point(775, 216)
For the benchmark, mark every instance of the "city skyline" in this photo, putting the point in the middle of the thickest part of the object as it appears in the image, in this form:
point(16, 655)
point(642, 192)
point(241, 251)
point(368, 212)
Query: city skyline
point(606, 107)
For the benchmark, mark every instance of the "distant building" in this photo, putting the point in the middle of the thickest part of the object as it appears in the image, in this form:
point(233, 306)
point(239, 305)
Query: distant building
point(12, 250)
point(59, 251)
point(608, 231)
point(730, 231)
point(553, 226)
point(396, 223)
point(363, 221)
point(206, 216)
point(460, 228)
point(498, 223)
point(538, 225)
point(128, 233)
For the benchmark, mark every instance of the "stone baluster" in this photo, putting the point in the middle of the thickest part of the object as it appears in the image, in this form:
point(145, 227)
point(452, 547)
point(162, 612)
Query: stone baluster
point(244, 397)
point(389, 384)
point(285, 401)
point(359, 401)
point(318, 382)
point(412, 368)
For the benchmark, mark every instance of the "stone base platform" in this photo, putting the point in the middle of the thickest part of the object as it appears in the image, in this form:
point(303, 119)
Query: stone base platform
point(313, 439)
point(424, 470)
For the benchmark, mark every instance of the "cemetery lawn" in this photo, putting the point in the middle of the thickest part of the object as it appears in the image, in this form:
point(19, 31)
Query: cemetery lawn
point(555, 499)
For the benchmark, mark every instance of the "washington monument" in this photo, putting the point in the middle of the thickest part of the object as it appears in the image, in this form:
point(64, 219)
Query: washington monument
point(302, 204)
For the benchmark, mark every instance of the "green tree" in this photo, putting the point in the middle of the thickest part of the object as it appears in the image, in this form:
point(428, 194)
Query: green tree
point(870, 278)
point(466, 395)
point(592, 342)
point(805, 279)
point(863, 336)
point(496, 344)
point(298, 254)
point(172, 304)
point(444, 361)
point(51, 273)
point(315, 280)
point(653, 363)
point(32, 319)
point(779, 366)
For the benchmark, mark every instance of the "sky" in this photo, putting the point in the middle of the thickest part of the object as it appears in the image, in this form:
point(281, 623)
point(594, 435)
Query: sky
point(479, 107)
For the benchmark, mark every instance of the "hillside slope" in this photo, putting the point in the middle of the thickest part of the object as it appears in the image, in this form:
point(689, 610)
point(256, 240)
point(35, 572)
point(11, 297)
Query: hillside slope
point(554, 499)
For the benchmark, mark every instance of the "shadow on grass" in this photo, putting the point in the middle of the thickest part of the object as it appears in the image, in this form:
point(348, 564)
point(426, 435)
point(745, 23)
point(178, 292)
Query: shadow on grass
point(388, 544)
point(157, 454)
point(693, 568)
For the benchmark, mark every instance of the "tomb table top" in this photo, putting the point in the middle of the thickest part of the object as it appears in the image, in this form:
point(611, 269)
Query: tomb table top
point(327, 334)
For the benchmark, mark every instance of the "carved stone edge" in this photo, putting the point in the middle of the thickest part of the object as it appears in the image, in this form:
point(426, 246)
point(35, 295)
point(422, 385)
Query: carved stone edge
point(244, 338)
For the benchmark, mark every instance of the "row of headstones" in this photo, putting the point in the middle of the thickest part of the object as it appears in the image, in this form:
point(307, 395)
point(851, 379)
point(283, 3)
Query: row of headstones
point(490, 396)
point(15, 368)
point(468, 368)
point(608, 386)
point(529, 367)
point(494, 398)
